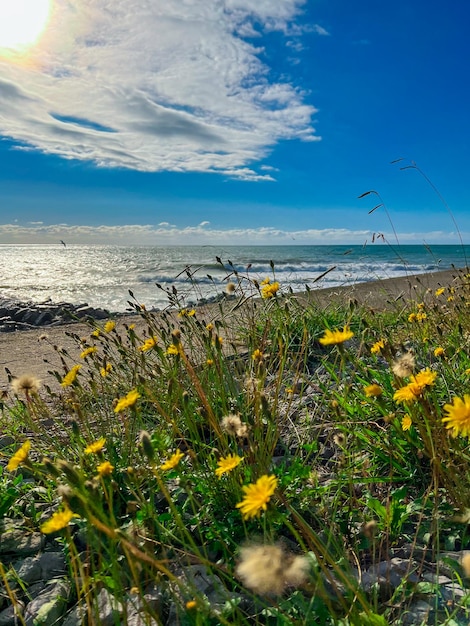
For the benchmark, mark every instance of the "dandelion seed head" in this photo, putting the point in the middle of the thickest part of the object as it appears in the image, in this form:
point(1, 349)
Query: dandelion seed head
point(27, 384)
point(404, 365)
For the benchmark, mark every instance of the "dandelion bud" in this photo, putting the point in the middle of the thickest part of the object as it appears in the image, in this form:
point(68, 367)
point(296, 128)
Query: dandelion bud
point(185, 397)
point(176, 336)
point(147, 446)
point(370, 528)
point(75, 428)
point(50, 467)
point(70, 472)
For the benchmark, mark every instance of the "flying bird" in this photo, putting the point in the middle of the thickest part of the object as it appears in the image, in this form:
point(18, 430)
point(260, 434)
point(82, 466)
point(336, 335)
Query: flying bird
point(63, 243)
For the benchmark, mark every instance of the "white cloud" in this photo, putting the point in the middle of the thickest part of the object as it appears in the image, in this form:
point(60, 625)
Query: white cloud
point(168, 234)
point(166, 85)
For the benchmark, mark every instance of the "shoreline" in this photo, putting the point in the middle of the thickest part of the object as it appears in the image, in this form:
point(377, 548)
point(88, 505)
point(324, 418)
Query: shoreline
point(32, 351)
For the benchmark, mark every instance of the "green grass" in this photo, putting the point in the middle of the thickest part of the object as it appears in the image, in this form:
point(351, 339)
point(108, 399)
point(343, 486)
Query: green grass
point(352, 484)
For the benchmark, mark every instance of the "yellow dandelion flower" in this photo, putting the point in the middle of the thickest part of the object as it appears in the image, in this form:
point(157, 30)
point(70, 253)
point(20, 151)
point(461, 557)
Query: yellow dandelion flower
point(105, 468)
point(458, 416)
point(104, 371)
point(96, 332)
point(96, 446)
point(150, 343)
point(425, 378)
point(70, 377)
point(467, 371)
point(129, 400)
point(131, 327)
point(378, 346)
point(412, 317)
point(257, 355)
point(450, 299)
point(333, 337)
point(60, 520)
point(406, 423)
point(172, 349)
point(210, 362)
point(409, 393)
point(421, 316)
point(19, 457)
point(172, 462)
point(257, 496)
point(373, 391)
point(269, 290)
point(266, 281)
point(439, 292)
point(109, 326)
point(187, 313)
point(420, 306)
point(210, 327)
point(88, 351)
point(191, 604)
point(439, 351)
point(227, 464)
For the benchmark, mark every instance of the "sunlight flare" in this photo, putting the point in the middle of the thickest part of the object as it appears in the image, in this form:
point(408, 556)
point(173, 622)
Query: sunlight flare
point(22, 23)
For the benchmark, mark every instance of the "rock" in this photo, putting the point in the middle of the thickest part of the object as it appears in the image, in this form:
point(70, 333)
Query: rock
point(49, 605)
point(12, 615)
point(17, 541)
point(110, 610)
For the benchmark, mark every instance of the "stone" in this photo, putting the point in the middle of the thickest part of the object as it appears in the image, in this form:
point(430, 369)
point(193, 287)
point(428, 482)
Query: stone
point(109, 609)
point(12, 615)
point(49, 606)
point(18, 541)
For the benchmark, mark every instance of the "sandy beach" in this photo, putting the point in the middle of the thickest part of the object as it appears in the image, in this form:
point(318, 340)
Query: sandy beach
point(33, 352)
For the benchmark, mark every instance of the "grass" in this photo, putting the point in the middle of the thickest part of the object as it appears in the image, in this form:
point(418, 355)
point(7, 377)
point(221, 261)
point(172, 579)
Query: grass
point(284, 464)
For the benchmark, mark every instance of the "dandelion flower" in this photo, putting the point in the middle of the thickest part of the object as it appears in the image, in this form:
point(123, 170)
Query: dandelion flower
point(227, 464)
point(191, 604)
point(269, 569)
point(96, 446)
point(70, 377)
point(210, 327)
point(105, 468)
point(150, 343)
point(88, 351)
point(412, 317)
point(266, 281)
point(269, 290)
point(333, 337)
point(186, 313)
point(425, 378)
point(406, 423)
point(404, 365)
point(409, 393)
point(378, 346)
point(233, 426)
point(172, 462)
point(104, 371)
point(210, 362)
point(60, 520)
point(129, 400)
point(19, 457)
point(172, 349)
point(257, 355)
point(439, 351)
point(439, 292)
point(458, 416)
point(257, 496)
point(373, 391)
point(109, 326)
point(96, 332)
point(26, 384)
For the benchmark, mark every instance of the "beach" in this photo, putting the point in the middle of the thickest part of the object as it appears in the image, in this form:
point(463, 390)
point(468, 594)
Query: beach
point(35, 351)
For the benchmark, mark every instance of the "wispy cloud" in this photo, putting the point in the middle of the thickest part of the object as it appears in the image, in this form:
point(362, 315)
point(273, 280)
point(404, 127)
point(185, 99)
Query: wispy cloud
point(201, 234)
point(166, 85)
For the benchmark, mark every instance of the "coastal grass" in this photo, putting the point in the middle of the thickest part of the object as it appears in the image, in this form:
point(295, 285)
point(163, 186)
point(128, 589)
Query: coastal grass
point(285, 453)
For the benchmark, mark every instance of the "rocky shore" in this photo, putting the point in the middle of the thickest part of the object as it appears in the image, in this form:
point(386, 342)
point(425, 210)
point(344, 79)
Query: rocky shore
point(29, 315)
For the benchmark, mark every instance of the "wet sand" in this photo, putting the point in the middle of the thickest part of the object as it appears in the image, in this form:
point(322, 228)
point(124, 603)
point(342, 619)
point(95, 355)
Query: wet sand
point(32, 351)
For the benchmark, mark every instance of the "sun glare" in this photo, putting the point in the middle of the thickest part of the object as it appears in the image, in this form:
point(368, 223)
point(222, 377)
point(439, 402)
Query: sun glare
point(22, 23)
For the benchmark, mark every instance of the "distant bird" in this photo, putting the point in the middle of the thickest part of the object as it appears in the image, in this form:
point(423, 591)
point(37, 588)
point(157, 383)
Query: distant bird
point(63, 243)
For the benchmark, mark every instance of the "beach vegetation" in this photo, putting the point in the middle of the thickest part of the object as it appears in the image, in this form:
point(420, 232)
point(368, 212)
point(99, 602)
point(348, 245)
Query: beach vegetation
point(287, 452)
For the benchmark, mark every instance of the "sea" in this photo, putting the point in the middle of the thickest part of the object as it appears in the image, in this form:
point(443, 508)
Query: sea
point(111, 276)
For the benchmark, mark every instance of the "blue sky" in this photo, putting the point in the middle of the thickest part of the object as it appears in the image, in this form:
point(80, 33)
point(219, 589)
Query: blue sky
point(236, 121)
